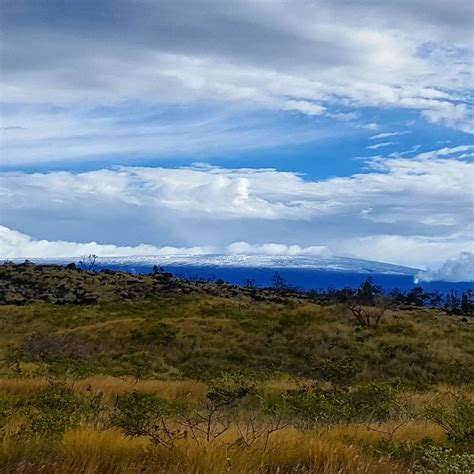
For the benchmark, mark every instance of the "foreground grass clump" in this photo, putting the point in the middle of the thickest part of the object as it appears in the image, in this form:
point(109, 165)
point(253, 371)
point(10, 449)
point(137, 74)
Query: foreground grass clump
point(195, 383)
point(239, 426)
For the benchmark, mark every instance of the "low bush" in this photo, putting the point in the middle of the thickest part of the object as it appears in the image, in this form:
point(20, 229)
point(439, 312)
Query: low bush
point(373, 402)
point(50, 413)
point(456, 420)
point(141, 414)
point(312, 405)
point(436, 459)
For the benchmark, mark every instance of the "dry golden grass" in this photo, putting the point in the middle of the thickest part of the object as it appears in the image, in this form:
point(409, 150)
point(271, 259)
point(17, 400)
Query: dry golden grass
point(332, 449)
point(113, 328)
point(214, 335)
point(373, 433)
point(109, 451)
point(192, 390)
point(186, 390)
point(438, 395)
point(182, 390)
point(22, 386)
point(95, 445)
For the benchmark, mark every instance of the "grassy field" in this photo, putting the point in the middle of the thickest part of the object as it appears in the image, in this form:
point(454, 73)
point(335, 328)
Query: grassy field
point(209, 384)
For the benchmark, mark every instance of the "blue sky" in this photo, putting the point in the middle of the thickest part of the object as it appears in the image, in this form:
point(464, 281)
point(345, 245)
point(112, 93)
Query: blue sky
point(338, 127)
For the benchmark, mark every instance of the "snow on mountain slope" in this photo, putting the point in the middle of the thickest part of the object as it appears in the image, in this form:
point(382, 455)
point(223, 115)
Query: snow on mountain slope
point(342, 264)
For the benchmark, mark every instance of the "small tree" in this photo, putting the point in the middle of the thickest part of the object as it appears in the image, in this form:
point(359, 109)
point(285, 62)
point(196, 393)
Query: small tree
point(369, 304)
point(212, 421)
point(141, 414)
point(89, 262)
point(278, 282)
point(157, 270)
point(452, 302)
point(467, 302)
point(367, 293)
point(417, 296)
point(435, 299)
point(370, 316)
point(250, 283)
point(397, 296)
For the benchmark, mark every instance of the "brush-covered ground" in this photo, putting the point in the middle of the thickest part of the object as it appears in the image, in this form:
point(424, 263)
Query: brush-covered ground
point(208, 380)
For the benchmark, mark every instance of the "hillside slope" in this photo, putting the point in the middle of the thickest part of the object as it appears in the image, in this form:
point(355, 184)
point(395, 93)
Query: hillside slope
point(180, 377)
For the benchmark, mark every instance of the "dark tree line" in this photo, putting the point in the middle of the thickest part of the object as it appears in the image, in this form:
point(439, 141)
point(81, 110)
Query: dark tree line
point(369, 294)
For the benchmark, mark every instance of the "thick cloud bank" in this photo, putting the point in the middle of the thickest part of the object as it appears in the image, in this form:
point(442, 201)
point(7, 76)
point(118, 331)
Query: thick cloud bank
point(415, 212)
point(460, 268)
point(14, 244)
point(17, 245)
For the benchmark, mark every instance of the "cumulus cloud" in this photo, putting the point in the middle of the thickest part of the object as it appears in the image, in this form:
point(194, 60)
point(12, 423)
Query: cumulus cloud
point(14, 244)
point(459, 268)
point(370, 214)
point(413, 251)
point(277, 249)
point(440, 186)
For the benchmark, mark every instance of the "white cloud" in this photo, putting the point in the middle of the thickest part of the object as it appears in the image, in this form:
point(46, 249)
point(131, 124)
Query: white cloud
point(413, 149)
point(304, 106)
point(372, 214)
point(65, 136)
point(14, 244)
point(380, 145)
point(304, 56)
point(438, 185)
point(412, 251)
point(371, 126)
point(446, 151)
point(389, 134)
point(450, 115)
point(276, 249)
point(459, 268)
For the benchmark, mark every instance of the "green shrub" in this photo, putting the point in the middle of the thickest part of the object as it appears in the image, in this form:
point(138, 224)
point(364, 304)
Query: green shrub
point(408, 451)
point(50, 413)
point(457, 420)
point(311, 405)
point(370, 402)
point(228, 389)
point(427, 457)
point(374, 401)
point(439, 460)
point(337, 371)
point(142, 414)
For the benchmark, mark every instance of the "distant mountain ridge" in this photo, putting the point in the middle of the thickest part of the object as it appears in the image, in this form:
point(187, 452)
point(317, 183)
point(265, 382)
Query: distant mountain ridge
point(333, 264)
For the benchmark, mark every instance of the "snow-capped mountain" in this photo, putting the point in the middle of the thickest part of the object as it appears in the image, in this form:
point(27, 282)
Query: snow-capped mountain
point(342, 264)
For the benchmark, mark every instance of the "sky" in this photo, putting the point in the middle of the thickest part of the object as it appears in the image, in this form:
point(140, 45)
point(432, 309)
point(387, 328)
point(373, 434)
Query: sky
point(329, 127)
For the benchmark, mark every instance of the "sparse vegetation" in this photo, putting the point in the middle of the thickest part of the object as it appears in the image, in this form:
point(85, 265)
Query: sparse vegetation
point(218, 379)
